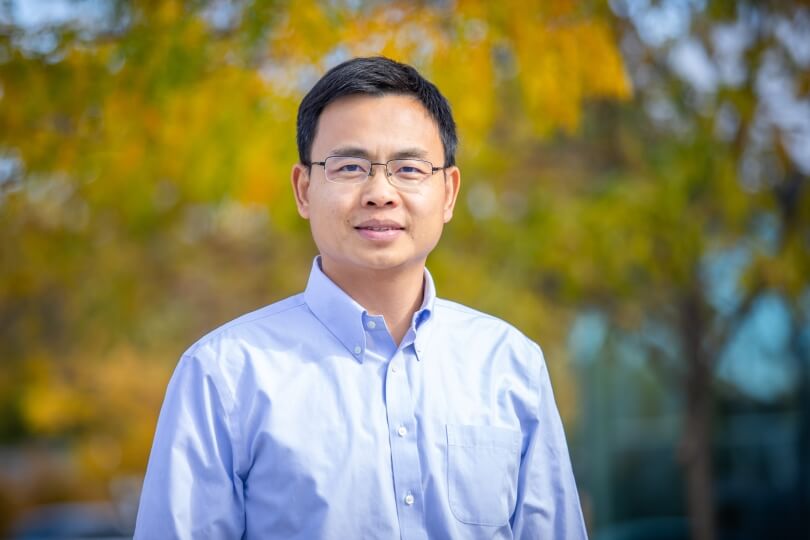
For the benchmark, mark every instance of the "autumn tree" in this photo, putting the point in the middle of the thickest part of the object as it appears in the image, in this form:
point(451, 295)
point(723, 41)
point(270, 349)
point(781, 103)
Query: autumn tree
point(145, 149)
point(709, 160)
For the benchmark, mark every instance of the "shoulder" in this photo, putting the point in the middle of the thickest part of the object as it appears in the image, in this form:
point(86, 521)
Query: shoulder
point(469, 341)
point(232, 355)
point(255, 329)
point(470, 324)
point(453, 313)
point(454, 310)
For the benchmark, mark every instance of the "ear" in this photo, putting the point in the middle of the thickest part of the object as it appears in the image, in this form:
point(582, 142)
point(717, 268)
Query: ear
point(300, 184)
point(452, 183)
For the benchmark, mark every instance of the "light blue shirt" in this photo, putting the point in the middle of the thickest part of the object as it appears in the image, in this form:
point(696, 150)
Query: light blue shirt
point(305, 420)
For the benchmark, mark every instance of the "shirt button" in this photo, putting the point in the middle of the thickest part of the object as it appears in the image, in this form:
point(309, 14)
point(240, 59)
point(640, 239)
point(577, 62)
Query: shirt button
point(402, 431)
point(409, 499)
point(357, 349)
point(393, 369)
point(371, 325)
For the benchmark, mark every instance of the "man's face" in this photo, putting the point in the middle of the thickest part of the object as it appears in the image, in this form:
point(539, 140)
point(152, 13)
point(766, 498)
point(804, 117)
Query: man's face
point(373, 225)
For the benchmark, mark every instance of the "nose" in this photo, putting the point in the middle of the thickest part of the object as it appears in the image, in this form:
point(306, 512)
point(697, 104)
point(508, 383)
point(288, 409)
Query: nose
point(379, 191)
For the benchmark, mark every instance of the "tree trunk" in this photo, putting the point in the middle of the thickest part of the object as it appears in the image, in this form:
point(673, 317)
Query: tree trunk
point(695, 452)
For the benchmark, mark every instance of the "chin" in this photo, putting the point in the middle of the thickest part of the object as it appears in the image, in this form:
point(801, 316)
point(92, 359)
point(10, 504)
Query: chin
point(377, 260)
point(385, 261)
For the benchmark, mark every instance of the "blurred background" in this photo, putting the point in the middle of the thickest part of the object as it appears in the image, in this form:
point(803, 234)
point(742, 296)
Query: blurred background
point(635, 198)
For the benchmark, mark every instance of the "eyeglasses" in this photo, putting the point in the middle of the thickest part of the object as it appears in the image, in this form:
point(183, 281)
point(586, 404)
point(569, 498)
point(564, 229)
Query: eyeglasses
point(401, 173)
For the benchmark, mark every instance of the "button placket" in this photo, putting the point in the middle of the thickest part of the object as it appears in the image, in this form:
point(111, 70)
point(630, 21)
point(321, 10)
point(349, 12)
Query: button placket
point(404, 453)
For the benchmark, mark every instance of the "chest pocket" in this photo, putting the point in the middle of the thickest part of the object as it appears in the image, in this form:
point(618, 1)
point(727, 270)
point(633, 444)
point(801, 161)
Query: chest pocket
point(482, 468)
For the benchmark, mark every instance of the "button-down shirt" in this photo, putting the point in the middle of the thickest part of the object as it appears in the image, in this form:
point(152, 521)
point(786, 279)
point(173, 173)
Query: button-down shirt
point(306, 420)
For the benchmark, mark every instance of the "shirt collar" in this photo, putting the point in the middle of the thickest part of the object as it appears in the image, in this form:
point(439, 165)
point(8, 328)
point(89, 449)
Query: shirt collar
point(343, 316)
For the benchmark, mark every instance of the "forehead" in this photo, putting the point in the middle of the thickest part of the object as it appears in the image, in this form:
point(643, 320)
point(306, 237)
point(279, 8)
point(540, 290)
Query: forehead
point(379, 124)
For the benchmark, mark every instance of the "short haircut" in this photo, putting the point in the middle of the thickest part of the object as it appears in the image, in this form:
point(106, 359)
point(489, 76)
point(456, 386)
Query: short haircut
point(374, 76)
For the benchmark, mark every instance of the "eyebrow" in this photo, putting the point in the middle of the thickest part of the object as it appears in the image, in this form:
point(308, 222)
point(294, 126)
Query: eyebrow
point(356, 151)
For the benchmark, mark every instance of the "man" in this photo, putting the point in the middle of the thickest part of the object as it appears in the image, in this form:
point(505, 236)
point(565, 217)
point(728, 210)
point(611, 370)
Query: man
point(365, 407)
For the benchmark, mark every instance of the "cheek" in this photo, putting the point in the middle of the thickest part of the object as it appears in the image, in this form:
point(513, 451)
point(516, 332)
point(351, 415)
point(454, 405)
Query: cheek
point(429, 222)
point(327, 218)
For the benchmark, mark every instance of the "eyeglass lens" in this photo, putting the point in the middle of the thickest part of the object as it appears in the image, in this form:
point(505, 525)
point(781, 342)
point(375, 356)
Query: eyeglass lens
point(355, 170)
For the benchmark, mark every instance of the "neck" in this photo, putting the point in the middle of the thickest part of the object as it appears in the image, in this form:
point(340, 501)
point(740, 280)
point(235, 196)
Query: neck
point(396, 294)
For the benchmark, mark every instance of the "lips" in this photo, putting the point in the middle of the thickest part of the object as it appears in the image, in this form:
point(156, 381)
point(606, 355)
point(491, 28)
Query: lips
point(379, 225)
point(379, 231)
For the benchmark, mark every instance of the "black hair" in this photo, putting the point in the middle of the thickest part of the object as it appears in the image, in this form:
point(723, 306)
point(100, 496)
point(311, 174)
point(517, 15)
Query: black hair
point(375, 76)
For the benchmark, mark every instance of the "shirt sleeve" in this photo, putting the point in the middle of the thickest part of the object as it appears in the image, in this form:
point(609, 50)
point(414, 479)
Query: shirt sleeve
point(190, 489)
point(548, 502)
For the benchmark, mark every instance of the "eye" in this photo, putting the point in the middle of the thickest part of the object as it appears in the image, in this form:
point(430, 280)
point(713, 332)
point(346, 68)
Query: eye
point(346, 168)
point(410, 169)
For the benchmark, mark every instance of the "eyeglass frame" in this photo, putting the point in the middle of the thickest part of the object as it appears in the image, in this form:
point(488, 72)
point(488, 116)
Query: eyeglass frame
point(388, 174)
